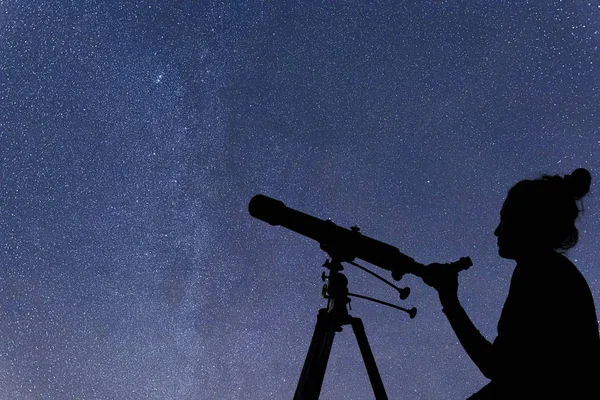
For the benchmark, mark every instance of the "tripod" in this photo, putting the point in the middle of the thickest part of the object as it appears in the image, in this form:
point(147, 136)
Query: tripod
point(329, 321)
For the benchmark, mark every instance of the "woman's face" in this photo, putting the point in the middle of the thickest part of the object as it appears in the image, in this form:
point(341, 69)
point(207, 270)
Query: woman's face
point(514, 240)
point(505, 234)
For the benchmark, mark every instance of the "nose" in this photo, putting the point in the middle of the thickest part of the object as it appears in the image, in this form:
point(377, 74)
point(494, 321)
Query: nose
point(497, 231)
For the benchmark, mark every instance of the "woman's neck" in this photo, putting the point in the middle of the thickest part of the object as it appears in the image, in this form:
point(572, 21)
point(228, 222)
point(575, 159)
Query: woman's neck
point(532, 256)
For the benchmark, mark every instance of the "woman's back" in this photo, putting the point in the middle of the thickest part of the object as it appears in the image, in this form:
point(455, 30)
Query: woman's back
point(548, 341)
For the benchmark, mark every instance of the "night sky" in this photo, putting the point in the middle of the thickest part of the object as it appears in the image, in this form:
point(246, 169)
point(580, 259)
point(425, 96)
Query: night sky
point(134, 134)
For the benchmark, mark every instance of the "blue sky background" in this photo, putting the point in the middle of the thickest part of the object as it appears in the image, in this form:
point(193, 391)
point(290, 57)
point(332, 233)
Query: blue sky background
point(133, 135)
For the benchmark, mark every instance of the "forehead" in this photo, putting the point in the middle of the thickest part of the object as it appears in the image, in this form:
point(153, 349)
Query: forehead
point(506, 205)
point(517, 205)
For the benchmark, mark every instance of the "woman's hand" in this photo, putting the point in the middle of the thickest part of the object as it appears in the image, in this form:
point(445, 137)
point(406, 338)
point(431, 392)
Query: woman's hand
point(443, 279)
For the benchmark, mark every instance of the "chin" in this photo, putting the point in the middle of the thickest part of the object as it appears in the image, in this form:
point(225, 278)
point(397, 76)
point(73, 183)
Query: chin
point(505, 254)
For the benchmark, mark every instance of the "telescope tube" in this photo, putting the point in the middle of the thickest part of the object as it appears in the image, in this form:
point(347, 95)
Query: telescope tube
point(337, 241)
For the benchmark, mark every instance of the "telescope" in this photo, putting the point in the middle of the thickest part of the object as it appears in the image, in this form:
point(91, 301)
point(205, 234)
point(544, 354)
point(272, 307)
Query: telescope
point(340, 243)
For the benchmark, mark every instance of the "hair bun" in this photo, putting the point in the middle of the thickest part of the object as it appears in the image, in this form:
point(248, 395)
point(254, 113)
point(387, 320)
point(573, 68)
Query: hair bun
point(578, 183)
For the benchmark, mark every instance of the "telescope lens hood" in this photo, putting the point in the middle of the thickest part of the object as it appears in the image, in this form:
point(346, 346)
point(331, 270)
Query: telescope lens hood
point(267, 209)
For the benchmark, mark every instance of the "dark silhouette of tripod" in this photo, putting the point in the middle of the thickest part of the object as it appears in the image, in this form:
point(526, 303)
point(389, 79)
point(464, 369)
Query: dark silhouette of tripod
point(329, 321)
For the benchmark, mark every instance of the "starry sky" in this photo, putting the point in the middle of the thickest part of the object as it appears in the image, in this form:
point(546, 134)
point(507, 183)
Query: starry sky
point(134, 134)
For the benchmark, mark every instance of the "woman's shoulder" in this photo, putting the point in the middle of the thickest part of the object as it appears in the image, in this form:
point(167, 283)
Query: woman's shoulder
point(566, 280)
point(552, 271)
point(564, 269)
point(548, 264)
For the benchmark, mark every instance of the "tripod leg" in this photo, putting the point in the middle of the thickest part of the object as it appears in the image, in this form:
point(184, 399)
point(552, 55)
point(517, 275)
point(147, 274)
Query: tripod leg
point(367, 355)
point(313, 372)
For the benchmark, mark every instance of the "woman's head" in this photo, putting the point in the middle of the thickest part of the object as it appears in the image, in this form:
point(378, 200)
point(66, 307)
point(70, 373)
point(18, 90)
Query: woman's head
point(540, 214)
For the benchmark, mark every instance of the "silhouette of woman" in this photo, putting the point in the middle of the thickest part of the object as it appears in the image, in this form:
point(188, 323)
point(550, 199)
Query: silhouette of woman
point(547, 345)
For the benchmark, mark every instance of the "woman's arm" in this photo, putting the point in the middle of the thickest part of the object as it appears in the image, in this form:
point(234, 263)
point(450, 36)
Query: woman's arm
point(477, 347)
point(445, 281)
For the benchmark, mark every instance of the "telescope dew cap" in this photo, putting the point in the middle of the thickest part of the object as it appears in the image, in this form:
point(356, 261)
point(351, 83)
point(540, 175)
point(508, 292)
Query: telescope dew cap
point(266, 209)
